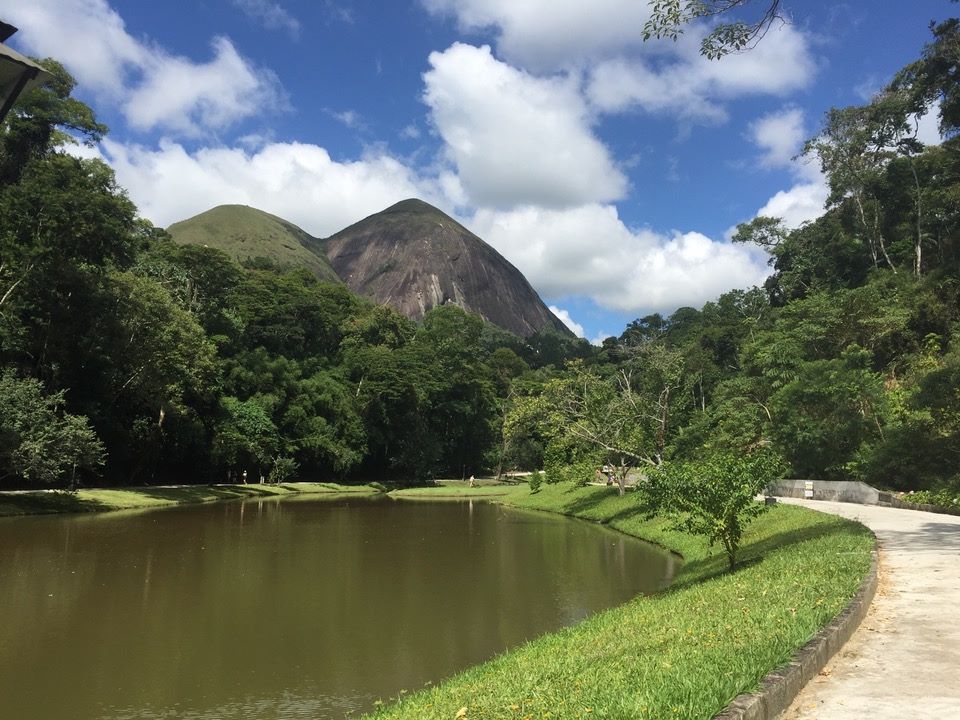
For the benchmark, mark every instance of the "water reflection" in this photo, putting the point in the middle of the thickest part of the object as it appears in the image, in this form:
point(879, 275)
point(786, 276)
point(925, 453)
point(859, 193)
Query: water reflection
point(286, 609)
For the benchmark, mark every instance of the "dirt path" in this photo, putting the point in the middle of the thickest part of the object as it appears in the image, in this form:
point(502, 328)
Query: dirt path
point(904, 660)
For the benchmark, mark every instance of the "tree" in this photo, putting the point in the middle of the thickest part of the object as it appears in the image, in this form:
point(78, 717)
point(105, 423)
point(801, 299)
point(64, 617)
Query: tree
point(935, 77)
point(42, 119)
point(826, 414)
point(767, 232)
point(715, 497)
point(245, 435)
point(667, 18)
point(455, 388)
point(63, 211)
point(622, 418)
point(39, 442)
point(853, 147)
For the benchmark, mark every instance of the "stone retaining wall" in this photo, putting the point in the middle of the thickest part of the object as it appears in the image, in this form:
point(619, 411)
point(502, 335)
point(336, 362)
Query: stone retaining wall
point(836, 490)
point(849, 491)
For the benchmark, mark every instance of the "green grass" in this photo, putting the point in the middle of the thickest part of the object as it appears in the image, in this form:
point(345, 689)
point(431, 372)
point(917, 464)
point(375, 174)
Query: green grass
point(104, 499)
point(684, 653)
point(456, 489)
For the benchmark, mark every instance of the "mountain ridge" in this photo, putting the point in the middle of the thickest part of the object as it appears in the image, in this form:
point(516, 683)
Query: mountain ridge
point(413, 257)
point(246, 233)
point(410, 256)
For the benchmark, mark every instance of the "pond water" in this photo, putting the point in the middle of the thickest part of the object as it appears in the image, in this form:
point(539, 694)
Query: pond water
point(295, 608)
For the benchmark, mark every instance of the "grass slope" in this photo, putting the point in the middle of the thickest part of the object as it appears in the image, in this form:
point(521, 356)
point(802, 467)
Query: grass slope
point(103, 499)
point(684, 653)
point(246, 233)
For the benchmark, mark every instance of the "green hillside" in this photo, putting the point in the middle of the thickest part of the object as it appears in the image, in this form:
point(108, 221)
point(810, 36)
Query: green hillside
point(246, 233)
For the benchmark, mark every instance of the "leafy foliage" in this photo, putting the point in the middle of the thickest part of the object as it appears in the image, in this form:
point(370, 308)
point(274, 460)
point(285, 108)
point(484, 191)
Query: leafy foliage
point(667, 18)
point(176, 361)
point(715, 497)
point(38, 440)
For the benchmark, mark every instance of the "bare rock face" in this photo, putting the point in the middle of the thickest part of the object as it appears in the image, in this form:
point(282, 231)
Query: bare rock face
point(414, 257)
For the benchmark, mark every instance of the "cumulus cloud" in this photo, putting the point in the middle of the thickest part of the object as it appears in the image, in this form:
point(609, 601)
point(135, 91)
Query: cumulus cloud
point(178, 94)
point(588, 251)
point(801, 203)
point(296, 181)
point(779, 136)
point(270, 15)
point(564, 316)
point(543, 35)
point(516, 138)
point(154, 89)
point(695, 88)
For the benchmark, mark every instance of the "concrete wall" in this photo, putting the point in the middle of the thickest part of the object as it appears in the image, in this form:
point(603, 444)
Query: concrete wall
point(837, 490)
point(851, 492)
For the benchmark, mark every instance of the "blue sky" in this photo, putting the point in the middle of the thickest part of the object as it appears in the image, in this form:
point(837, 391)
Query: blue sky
point(609, 170)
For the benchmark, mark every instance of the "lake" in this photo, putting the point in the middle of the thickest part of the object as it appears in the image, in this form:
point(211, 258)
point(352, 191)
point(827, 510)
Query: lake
point(293, 608)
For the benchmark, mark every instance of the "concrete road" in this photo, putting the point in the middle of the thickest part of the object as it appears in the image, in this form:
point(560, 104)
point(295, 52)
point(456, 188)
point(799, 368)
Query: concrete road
point(903, 661)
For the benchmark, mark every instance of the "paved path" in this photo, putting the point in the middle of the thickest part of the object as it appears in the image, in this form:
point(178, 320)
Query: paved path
point(903, 661)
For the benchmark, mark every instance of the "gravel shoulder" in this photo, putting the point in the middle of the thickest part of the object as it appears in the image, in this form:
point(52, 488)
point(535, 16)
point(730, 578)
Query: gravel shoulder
point(904, 660)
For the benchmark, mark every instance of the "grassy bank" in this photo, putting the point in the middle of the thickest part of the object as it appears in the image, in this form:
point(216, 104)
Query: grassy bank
point(459, 490)
point(684, 653)
point(103, 499)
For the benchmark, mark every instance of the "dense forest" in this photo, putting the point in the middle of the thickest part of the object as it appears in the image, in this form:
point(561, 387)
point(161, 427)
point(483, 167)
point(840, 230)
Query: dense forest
point(127, 358)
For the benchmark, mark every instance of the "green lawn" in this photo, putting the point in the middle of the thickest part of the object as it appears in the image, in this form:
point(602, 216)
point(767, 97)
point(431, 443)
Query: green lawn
point(684, 653)
point(457, 489)
point(102, 499)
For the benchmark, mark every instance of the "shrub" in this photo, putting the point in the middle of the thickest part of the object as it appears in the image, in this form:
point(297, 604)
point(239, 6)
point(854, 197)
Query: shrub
point(535, 479)
point(715, 497)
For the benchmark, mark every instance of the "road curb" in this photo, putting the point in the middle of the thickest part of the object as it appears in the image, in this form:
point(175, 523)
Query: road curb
point(781, 686)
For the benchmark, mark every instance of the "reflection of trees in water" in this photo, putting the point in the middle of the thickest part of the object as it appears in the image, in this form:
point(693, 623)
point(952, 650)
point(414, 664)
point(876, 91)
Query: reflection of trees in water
point(265, 599)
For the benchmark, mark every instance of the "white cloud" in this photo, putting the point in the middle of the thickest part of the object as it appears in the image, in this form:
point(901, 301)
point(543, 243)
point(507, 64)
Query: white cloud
point(543, 35)
point(271, 15)
point(153, 88)
point(86, 35)
point(927, 126)
point(779, 136)
point(179, 94)
point(588, 251)
point(351, 118)
point(801, 203)
point(695, 88)
point(515, 138)
point(564, 316)
point(296, 181)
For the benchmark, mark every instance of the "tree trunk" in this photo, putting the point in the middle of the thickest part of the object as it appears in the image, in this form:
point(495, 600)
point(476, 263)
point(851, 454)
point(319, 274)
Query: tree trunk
point(883, 245)
point(918, 249)
point(866, 228)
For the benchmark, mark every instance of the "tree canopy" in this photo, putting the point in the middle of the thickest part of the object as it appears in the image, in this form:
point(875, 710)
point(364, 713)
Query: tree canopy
point(129, 358)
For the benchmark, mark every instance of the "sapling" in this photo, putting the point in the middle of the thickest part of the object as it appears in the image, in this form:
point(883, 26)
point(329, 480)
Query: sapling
point(715, 497)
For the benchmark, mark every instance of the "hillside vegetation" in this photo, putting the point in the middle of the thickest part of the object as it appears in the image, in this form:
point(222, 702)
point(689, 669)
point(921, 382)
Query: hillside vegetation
point(130, 358)
point(250, 235)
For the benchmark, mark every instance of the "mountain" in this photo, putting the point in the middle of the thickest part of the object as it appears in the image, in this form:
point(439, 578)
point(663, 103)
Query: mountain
point(413, 257)
point(246, 233)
